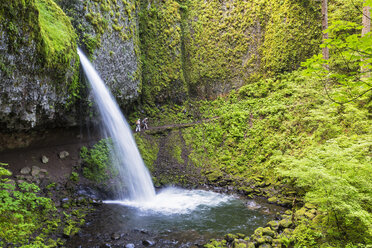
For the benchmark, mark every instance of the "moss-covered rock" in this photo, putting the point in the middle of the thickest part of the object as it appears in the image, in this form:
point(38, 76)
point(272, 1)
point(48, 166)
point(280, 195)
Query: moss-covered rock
point(274, 225)
point(38, 65)
point(161, 47)
point(285, 223)
point(268, 232)
point(108, 33)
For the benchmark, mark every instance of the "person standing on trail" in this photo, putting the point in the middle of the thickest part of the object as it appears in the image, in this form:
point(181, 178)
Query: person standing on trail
point(138, 125)
point(144, 122)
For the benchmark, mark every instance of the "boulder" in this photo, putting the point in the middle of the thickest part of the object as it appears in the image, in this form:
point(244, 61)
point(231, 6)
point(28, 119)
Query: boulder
point(268, 232)
point(273, 224)
point(263, 239)
point(44, 159)
point(115, 236)
point(148, 242)
point(129, 246)
point(25, 170)
point(63, 154)
point(35, 171)
point(265, 246)
point(285, 223)
point(310, 215)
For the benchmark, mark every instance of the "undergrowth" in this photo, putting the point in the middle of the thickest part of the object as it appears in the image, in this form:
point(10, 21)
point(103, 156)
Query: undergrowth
point(281, 133)
point(26, 219)
point(97, 161)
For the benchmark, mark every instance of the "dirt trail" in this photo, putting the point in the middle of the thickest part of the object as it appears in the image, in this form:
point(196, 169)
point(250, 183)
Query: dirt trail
point(178, 125)
point(50, 144)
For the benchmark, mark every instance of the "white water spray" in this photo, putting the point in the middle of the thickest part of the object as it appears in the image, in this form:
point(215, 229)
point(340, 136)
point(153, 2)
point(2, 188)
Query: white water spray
point(129, 163)
point(177, 201)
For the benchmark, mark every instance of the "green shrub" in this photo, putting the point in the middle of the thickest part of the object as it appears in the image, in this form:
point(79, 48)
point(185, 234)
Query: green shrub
point(337, 177)
point(97, 161)
point(25, 217)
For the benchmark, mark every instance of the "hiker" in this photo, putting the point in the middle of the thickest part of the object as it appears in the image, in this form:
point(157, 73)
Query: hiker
point(138, 125)
point(144, 122)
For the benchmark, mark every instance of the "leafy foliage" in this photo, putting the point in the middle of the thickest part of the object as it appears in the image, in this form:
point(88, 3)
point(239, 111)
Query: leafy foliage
point(97, 160)
point(25, 217)
point(346, 75)
point(285, 124)
point(337, 177)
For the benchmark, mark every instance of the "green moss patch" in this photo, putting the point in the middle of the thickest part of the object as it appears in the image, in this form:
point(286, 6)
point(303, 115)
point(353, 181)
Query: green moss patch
point(58, 35)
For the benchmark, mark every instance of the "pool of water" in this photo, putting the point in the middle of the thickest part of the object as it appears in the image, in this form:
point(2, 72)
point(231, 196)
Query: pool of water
point(174, 218)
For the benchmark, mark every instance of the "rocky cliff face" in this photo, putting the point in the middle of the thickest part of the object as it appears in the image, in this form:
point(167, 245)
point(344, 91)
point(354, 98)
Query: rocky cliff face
point(38, 62)
point(108, 32)
point(217, 46)
point(158, 51)
point(37, 65)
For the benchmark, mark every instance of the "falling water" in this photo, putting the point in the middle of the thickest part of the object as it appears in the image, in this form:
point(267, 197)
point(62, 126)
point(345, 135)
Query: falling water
point(132, 170)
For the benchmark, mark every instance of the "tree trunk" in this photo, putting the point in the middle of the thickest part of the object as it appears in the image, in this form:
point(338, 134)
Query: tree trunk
point(366, 22)
point(325, 50)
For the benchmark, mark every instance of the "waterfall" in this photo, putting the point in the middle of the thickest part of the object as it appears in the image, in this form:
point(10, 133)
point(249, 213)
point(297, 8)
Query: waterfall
point(127, 159)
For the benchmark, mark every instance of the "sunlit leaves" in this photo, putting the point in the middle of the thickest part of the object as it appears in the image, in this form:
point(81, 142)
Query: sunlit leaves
point(346, 74)
point(338, 179)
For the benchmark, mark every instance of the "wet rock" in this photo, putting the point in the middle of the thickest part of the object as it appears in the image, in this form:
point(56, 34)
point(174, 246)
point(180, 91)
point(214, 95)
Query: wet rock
point(240, 243)
point(264, 239)
point(81, 200)
point(148, 242)
point(309, 215)
point(143, 231)
point(309, 206)
point(313, 211)
point(28, 178)
point(63, 154)
point(35, 171)
point(277, 243)
point(129, 246)
point(230, 237)
point(115, 236)
point(273, 224)
point(25, 170)
point(268, 232)
point(285, 223)
point(265, 246)
point(252, 205)
point(96, 202)
point(44, 159)
point(250, 245)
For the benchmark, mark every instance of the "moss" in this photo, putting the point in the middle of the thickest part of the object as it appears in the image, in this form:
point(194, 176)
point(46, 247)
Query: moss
point(174, 147)
point(59, 38)
point(107, 17)
point(42, 24)
point(148, 148)
point(160, 37)
point(193, 46)
point(97, 161)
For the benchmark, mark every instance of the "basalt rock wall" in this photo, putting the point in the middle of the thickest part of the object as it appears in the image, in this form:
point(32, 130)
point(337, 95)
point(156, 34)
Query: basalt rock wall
point(38, 65)
point(208, 48)
point(108, 33)
point(152, 51)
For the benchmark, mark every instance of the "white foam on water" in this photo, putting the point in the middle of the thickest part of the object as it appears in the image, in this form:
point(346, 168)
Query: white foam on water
point(177, 201)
